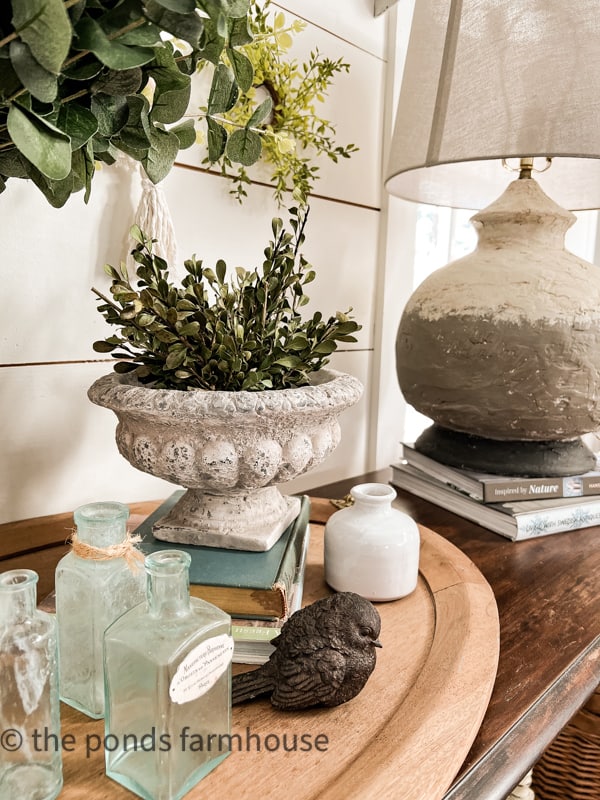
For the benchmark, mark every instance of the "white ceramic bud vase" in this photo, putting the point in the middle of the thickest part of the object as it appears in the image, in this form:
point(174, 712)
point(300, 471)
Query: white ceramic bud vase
point(372, 548)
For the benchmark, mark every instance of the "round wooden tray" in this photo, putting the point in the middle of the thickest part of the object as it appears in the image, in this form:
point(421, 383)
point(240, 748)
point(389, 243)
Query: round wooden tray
point(405, 736)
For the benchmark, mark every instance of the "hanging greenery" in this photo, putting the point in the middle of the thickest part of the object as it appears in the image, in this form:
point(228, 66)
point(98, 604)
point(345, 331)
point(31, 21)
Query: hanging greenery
point(81, 80)
point(286, 122)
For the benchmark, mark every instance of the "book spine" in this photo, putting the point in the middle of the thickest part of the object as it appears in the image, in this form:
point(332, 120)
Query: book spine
point(294, 557)
point(516, 489)
point(557, 520)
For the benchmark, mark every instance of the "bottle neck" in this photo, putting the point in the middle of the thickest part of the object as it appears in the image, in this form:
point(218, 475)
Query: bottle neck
point(18, 596)
point(101, 524)
point(168, 583)
point(373, 498)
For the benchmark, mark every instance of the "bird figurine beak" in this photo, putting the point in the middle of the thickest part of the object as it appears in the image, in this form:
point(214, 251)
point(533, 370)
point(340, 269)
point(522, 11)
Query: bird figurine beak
point(377, 643)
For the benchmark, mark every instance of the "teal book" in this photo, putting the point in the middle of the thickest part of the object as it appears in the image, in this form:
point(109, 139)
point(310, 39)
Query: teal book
point(244, 584)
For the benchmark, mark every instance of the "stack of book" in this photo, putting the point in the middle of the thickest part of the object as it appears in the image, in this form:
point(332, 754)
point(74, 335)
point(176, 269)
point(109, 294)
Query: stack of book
point(518, 508)
point(260, 590)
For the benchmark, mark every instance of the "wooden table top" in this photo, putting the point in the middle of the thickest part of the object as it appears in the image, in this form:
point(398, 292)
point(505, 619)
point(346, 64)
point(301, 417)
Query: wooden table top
point(548, 596)
point(548, 602)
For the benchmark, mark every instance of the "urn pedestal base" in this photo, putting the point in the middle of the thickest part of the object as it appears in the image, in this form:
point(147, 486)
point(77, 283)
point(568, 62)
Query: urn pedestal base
point(237, 520)
point(532, 459)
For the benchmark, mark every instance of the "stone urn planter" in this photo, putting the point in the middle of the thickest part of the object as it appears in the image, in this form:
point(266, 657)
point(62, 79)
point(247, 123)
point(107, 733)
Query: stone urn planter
point(229, 449)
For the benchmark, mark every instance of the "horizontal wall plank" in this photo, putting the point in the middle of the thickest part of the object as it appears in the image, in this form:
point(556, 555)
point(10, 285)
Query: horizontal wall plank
point(354, 104)
point(50, 260)
point(58, 448)
point(341, 242)
point(51, 311)
point(354, 21)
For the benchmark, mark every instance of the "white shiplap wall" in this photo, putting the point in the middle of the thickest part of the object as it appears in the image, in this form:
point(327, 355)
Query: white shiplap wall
point(57, 450)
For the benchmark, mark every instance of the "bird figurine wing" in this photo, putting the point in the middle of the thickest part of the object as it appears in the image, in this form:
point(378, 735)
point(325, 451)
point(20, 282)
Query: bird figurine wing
point(311, 679)
point(323, 656)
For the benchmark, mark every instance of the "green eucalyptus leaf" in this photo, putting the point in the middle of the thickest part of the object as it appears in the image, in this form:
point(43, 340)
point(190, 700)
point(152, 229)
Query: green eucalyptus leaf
point(48, 148)
point(12, 164)
point(244, 147)
point(134, 136)
point(9, 81)
point(211, 42)
point(178, 6)
point(172, 92)
point(216, 139)
point(238, 8)
point(57, 192)
point(188, 27)
point(186, 133)
point(45, 26)
point(84, 168)
point(164, 147)
point(260, 113)
point(119, 82)
point(112, 113)
point(84, 69)
point(242, 68)
point(91, 36)
point(223, 91)
point(78, 123)
point(239, 32)
point(37, 80)
point(121, 17)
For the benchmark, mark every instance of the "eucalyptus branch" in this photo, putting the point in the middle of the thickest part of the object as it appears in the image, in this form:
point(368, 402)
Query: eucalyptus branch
point(132, 26)
point(15, 34)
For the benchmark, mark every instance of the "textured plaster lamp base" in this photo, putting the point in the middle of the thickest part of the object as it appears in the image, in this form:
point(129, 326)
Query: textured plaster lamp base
point(551, 459)
point(503, 345)
point(239, 521)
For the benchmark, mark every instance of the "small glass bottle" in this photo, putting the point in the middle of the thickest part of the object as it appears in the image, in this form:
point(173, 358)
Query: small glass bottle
point(372, 548)
point(92, 590)
point(167, 666)
point(30, 745)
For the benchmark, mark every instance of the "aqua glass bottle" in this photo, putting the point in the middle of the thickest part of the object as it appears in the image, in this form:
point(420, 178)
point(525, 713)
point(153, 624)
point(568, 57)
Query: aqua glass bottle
point(167, 666)
point(30, 749)
point(94, 586)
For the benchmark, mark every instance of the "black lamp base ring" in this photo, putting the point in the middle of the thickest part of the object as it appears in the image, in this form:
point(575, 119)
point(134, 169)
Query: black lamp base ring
point(504, 457)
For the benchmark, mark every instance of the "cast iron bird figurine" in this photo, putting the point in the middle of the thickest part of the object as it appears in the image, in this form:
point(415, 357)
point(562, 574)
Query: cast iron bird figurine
point(324, 655)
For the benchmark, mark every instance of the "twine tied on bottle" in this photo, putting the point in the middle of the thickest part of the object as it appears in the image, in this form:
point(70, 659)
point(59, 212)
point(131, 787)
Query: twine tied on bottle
point(126, 549)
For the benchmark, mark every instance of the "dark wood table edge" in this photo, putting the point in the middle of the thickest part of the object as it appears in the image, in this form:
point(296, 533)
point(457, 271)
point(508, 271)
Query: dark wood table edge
point(496, 774)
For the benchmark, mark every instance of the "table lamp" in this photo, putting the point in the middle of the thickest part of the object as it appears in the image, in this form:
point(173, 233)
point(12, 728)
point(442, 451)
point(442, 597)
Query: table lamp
point(501, 349)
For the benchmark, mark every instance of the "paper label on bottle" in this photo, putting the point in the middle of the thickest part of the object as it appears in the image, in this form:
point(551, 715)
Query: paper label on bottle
point(201, 669)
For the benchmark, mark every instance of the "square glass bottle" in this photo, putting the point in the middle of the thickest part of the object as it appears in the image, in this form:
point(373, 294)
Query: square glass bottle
point(167, 667)
point(94, 586)
point(30, 749)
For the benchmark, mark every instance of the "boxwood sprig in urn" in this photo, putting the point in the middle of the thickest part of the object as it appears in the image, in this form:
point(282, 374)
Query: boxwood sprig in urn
point(247, 333)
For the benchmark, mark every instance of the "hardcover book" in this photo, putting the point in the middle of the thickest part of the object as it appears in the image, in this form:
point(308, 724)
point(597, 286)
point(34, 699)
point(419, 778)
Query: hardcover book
point(242, 583)
point(515, 520)
point(498, 488)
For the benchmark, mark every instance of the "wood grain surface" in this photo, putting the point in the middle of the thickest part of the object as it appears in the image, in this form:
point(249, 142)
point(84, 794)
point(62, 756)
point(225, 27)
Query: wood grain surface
point(548, 596)
point(548, 599)
point(422, 706)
